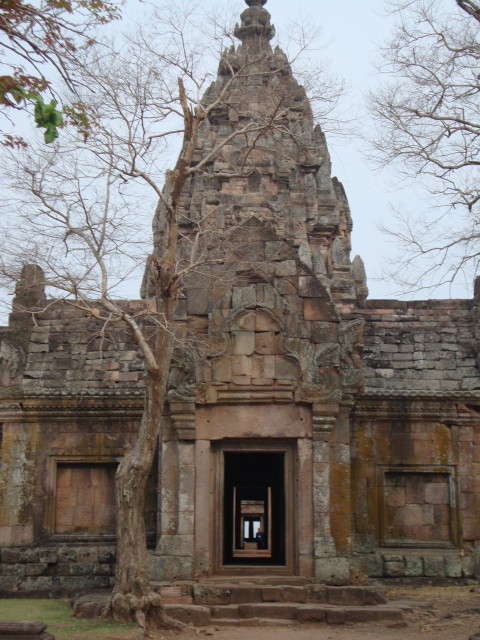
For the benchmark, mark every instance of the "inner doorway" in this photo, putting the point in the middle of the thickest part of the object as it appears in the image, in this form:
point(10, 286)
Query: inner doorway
point(254, 508)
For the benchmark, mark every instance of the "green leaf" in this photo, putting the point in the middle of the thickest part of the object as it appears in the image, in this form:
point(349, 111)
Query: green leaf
point(48, 117)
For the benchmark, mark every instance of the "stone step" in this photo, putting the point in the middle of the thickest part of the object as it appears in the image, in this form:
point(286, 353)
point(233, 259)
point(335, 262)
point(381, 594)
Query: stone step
point(259, 580)
point(341, 615)
point(254, 622)
point(175, 594)
point(257, 614)
point(222, 594)
point(268, 610)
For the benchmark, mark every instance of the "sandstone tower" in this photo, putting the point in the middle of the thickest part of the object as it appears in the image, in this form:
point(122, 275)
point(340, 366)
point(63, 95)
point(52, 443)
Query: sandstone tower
point(281, 360)
point(345, 430)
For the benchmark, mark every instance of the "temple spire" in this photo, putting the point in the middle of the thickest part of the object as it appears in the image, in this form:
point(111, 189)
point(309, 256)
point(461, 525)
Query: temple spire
point(255, 23)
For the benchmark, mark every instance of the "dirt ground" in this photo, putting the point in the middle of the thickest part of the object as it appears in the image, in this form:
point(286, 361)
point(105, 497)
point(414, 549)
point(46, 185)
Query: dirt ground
point(438, 613)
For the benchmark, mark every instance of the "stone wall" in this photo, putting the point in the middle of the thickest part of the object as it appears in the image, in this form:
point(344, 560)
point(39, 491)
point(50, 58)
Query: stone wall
point(59, 570)
point(416, 479)
point(71, 352)
point(57, 514)
point(422, 346)
point(424, 566)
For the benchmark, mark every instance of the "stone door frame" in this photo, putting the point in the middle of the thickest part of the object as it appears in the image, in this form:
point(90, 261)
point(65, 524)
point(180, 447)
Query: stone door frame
point(288, 448)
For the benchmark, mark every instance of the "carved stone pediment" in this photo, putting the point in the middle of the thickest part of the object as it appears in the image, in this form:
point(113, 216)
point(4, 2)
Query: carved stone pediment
point(12, 361)
point(351, 355)
point(182, 381)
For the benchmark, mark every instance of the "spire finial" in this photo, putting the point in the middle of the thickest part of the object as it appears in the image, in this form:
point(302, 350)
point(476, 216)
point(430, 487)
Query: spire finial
point(255, 22)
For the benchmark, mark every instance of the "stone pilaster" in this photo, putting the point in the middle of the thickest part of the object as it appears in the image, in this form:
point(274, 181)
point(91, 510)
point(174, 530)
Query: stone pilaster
point(328, 567)
point(173, 558)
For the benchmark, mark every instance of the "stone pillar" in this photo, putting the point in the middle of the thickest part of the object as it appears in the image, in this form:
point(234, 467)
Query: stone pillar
point(18, 473)
point(329, 568)
point(305, 526)
point(340, 479)
point(173, 558)
point(203, 510)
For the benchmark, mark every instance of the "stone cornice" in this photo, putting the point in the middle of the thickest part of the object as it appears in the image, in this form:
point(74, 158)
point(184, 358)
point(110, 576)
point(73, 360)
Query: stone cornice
point(392, 394)
point(67, 406)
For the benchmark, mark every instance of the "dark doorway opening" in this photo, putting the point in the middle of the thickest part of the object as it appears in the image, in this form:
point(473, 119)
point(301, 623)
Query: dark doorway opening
point(254, 509)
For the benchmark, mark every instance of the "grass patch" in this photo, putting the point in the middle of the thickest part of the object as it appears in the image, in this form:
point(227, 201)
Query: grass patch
point(57, 614)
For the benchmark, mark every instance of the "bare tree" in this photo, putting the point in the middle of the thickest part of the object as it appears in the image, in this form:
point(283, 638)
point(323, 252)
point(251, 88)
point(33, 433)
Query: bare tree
point(80, 197)
point(429, 131)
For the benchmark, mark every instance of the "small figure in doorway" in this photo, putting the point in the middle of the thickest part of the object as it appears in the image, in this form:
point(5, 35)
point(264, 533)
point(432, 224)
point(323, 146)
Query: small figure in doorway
point(260, 539)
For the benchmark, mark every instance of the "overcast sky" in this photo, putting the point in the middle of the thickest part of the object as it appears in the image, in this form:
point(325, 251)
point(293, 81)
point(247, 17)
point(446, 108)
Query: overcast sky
point(351, 32)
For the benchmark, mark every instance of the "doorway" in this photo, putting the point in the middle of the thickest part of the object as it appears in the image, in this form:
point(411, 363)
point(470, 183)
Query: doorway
point(254, 509)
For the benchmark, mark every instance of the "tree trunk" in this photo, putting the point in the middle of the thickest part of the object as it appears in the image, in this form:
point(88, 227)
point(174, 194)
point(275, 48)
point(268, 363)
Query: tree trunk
point(133, 598)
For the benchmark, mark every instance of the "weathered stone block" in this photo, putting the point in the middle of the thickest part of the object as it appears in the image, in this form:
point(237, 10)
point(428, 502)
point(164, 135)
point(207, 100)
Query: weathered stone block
point(374, 595)
point(263, 367)
point(375, 566)
point(36, 569)
point(49, 556)
point(90, 605)
point(222, 369)
point(176, 545)
point(24, 629)
point(244, 343)
point(87, 555)
point(286, 285)
point(323, 332)
point(268, 610)
point(335, 616)
point(394, 569)
point(241, 595)
point(10, 556)
point(265, 342)
point(195, 615)
point(318, 309)
point(37, 583)
point(272, 594)
point(197, 302)
point(286, 268)
point(82, 569)
point(471, 564)
point(317, 593)
point(453, 567)
point(169, 568)
point(345, 595)
point(210, 595)
point(278, 250)
point(311, 613)
point(104, 569)
point(67, 555)
point(332, 571)
point(285, 369)
point(13, 569)
point(244, 297)
point(413, 566)
point(311, 287)
point(434, 567)
point(28, 555)
point(294, 594)
point(241, 366)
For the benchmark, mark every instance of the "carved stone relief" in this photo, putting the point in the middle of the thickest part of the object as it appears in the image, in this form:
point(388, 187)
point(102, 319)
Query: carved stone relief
point(12, 360)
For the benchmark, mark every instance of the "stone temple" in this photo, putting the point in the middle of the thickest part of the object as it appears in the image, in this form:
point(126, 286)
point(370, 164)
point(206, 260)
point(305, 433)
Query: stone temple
point(345, 430)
